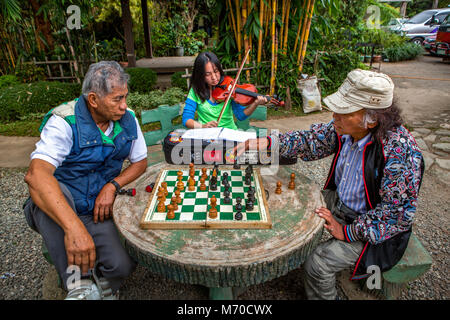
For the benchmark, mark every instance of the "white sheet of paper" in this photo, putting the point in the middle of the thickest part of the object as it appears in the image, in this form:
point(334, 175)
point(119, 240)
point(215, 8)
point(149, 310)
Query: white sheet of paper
point(219, 133)
point(236, 135)
point(202, 133)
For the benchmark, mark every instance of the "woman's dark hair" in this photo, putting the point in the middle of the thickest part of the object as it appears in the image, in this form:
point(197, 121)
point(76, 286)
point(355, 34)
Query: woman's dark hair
point(387, 119)
point(198, 83)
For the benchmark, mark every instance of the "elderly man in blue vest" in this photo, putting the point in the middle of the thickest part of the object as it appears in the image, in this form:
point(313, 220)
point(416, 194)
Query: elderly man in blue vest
point(73, 178)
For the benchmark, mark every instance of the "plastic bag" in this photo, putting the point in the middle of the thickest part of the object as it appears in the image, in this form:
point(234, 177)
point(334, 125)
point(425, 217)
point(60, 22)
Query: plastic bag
point(310, 94)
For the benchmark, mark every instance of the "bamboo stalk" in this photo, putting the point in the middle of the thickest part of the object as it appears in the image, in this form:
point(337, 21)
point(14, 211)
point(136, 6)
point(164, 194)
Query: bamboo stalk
point(299, 28)
point(244, 20)
point(305, 43)
point(283, 13)
point(302, 37)
point(273, 66)
point(233, 23)
point(260, 36)
point(286, 28)
point(238, 26)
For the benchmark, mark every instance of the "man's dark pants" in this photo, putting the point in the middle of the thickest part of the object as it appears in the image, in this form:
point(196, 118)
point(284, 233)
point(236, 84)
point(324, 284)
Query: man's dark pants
point(113, 262)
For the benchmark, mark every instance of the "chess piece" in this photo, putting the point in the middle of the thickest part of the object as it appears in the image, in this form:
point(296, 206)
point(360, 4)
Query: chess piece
point(191, 184)
point(174, 203)
point(238, 204)
point(204, 175)
point(226, 199)
point(161, 206)
point(238, 216)
point(170, 212)
point(278, 189)
point(292, 182)
point(164, 186)
point(202, 184)
point(249, 205)
point(213, 211)
point(177, 195)
point(180, 184)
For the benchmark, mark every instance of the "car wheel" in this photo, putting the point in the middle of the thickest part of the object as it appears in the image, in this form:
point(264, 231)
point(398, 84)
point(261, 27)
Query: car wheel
point(417, 40)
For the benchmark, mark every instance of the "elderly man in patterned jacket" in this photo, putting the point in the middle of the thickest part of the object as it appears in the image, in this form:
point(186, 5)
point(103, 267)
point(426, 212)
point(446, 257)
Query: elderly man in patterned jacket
point(373, 184)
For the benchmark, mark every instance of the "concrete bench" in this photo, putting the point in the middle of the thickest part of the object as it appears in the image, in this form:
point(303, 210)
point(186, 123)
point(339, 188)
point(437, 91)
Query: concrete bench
point(415, 262)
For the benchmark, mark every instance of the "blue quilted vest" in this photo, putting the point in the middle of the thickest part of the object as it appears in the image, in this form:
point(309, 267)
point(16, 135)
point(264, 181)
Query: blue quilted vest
point(94, 158)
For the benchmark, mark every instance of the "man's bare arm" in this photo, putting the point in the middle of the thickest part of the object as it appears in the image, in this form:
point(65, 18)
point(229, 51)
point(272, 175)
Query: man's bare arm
point(47, 195)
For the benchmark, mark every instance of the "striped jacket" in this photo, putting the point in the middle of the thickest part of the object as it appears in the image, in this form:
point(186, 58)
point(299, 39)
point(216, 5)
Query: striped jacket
point(392, 175)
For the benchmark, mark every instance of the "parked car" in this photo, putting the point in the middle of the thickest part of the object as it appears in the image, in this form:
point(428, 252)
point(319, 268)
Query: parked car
point(441, 46)
point(429, 42)
point(394, 24)
point(423, 24)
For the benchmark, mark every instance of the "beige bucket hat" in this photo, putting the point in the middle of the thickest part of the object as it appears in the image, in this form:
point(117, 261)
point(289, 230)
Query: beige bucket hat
point(362, 89)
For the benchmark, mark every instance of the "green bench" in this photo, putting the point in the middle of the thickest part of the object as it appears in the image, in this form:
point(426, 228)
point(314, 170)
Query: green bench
point(415, 262)
point(163, 114)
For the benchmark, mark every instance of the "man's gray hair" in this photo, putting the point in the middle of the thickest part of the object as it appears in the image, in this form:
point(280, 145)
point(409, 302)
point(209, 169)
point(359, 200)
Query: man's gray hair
point(102, 76)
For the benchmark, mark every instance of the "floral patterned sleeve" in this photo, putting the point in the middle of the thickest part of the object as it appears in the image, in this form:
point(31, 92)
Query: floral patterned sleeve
point(399, 191)
point(316, 143)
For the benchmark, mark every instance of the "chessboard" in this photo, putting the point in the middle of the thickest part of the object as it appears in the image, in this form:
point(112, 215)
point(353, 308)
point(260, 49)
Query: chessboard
point(207, 198)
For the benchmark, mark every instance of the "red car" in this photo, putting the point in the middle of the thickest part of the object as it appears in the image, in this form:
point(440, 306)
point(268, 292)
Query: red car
point(441, 46)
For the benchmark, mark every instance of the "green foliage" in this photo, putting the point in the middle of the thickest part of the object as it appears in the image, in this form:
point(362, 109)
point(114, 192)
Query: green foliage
point(23, 100)
point(111, 50)
point(29, 73)
point(22, 128)
point(178, 81)
point(193, 43)
point(8, 80)
point(406, 51)
point(138, 102)
point(142, 80)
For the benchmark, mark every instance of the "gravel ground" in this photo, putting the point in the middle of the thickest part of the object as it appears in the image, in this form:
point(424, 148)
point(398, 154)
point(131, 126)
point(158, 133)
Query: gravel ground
point(23, 267)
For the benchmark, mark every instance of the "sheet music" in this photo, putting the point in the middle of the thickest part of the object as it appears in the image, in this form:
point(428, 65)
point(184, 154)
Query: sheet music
point(219, 133)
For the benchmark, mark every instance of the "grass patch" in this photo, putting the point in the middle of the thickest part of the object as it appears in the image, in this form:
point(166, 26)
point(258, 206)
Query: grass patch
point(22, 128)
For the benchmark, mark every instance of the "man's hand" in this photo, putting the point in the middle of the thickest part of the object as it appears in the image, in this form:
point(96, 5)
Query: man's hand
point(251, 144)
point(103, 207)
point(80, 248)
point(331, 224)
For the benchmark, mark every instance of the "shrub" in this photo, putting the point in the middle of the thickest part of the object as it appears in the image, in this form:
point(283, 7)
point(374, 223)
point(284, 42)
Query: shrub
point(24, 100)
point(8, 80)
point(138, 102)
point(29, 73)
point(142, 80)
point(177, 81)
point(406, 51)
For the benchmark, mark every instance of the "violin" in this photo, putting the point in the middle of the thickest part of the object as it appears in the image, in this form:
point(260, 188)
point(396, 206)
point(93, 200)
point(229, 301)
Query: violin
point(244, 94)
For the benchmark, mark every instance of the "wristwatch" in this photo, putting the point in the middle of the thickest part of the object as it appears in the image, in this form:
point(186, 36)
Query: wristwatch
point(115, 184)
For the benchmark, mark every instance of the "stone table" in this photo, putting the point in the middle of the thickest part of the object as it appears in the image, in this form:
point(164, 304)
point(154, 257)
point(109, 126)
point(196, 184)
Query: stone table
point(225, 260)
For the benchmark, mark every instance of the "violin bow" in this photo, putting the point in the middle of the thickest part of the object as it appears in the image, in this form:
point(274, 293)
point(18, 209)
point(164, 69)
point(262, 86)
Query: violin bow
point(233, 86)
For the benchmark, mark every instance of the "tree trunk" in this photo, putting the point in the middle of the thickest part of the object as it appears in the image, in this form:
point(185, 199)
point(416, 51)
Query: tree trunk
point(435, 4)
point(128, 31)
point(403, 8)
point(147, 37)
point(42, 27)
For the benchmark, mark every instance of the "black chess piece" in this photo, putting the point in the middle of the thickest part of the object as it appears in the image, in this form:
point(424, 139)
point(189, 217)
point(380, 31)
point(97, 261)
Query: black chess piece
point(213, 186)
point(247, 180)
point(238, 204)
point(226, 199)
point(249, 205)
point(238, 216)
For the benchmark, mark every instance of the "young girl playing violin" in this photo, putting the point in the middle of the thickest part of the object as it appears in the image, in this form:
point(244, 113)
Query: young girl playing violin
point(208, 73)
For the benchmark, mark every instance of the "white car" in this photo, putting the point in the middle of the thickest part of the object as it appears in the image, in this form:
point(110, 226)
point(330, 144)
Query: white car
point(423, 24)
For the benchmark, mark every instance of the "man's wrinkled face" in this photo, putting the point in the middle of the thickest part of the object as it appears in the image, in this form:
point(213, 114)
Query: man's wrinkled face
point(351, 123)
point(114, 105)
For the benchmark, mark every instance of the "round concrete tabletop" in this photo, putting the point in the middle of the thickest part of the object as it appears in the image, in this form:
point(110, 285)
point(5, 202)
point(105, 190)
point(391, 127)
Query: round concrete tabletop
point(226, 257)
